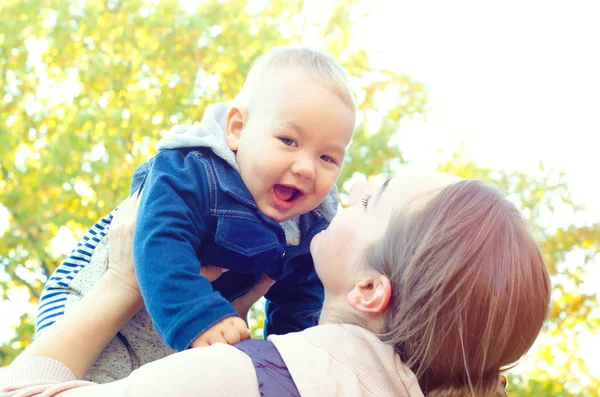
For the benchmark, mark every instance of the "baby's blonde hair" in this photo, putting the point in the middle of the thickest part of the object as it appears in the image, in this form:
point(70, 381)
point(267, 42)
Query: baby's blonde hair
point(318, 65)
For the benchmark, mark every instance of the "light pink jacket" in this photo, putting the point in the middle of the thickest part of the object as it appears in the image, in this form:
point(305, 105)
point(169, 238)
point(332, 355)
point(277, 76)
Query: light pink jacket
point(327, 360)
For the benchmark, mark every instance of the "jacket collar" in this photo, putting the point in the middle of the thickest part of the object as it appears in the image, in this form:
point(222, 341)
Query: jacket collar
point(230, 182)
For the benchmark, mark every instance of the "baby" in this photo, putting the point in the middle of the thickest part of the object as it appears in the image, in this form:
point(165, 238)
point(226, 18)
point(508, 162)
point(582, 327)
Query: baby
point(245, 190)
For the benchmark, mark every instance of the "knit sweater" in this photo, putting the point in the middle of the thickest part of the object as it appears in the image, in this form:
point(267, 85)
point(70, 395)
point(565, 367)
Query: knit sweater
point(327, 360)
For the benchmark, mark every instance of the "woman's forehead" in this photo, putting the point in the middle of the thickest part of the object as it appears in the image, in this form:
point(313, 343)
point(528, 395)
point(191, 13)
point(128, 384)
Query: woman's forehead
point(406, 187)
point(426, 179)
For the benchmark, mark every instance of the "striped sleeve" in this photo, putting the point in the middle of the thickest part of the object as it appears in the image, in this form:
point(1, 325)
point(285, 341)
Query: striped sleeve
point(54, 295)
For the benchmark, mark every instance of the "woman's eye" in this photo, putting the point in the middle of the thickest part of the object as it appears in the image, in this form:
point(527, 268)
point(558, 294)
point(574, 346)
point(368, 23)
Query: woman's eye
point(328, 159)
point(365, 200)
point(288, 142)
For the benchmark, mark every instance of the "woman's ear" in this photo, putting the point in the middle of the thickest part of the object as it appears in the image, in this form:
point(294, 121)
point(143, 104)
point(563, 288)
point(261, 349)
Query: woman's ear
point(236, 121)
point(371, 295)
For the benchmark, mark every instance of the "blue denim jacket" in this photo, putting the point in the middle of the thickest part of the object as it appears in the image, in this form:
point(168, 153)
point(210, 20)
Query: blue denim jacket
point(196, 210)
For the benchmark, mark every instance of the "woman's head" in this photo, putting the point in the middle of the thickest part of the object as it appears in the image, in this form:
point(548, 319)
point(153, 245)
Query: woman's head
point(448, 272)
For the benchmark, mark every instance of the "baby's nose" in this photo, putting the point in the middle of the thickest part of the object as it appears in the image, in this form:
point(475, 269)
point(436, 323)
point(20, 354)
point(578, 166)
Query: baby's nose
point(304, 169)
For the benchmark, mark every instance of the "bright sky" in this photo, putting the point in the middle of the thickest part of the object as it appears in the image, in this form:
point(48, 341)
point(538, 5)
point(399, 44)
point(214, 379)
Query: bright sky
point(518, 81)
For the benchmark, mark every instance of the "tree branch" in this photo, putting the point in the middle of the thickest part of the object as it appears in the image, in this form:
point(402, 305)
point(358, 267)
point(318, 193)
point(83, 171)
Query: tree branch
point(31, 289)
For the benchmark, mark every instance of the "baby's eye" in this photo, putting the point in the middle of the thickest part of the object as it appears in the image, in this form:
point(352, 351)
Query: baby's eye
point(288, 142)
point(328, 159)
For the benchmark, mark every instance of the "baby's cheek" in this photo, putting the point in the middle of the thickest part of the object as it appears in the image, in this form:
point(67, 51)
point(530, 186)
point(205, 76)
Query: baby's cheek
point(327, 184)
point(316, 199)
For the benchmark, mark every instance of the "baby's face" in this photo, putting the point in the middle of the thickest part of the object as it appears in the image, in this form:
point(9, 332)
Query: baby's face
point(291, 151)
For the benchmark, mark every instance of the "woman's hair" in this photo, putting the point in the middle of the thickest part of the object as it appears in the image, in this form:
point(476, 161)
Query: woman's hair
point(470, 291)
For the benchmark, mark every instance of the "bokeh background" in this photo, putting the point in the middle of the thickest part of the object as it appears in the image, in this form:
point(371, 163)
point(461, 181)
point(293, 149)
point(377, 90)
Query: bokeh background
point(504, 91)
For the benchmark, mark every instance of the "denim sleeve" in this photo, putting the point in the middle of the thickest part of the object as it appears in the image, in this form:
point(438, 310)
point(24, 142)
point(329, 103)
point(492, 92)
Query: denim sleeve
point(293, 304)
point(171, 223)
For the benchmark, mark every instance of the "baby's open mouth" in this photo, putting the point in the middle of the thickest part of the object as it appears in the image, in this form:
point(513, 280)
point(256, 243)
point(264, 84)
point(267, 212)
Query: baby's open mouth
point(287, 193)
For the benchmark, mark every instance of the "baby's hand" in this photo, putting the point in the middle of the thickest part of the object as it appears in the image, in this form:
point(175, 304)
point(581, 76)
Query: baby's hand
point(230, 331)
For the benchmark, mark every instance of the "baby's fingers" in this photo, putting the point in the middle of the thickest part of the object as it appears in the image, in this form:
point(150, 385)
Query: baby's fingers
point(241, 328)
point(232, 336)
point(200, 342)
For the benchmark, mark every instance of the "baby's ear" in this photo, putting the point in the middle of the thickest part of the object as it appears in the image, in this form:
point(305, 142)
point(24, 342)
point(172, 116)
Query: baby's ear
point(236, 121)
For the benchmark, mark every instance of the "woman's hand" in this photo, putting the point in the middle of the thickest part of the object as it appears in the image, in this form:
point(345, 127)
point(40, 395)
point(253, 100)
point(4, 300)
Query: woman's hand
point(242, 304)
point(120, 246)
point(83, 332)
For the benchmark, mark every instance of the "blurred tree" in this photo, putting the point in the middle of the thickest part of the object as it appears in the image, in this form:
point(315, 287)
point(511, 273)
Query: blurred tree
point(89, 86)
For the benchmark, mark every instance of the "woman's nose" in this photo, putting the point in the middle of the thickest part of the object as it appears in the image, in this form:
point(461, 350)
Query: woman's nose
point(359, 190)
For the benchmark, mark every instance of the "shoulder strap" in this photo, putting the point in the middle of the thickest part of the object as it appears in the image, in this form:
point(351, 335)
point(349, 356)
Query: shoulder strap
point(274, 379)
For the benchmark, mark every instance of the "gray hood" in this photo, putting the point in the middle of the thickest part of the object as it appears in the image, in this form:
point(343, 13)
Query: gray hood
point(209, 133)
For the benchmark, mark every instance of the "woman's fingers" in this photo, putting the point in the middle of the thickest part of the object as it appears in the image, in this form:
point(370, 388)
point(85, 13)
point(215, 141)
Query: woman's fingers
point(243, 304)
point(261, 288)
point(212, 272)
point(124, 218)
point(120, 242)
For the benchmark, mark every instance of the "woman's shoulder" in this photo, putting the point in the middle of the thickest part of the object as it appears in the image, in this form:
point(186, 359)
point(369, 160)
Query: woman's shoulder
point(346, 357)
point(33, 375)
point(219, 369)
point(215, 370)
point(332, 333)
point(27, 369)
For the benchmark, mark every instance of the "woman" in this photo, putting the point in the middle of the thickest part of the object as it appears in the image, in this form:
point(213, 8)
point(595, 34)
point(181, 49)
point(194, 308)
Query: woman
point(432, 286)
